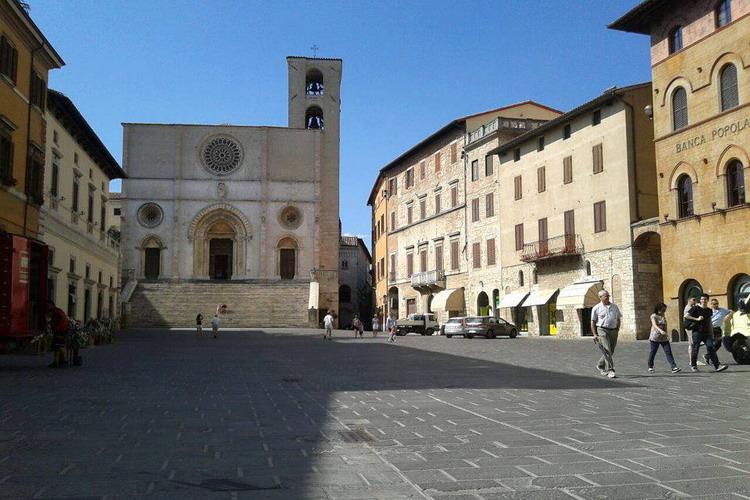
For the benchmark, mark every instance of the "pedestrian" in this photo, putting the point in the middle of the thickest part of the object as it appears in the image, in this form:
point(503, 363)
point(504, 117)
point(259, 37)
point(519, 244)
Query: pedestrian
point(691, 302)
point(199, 324)
point(659, 337)
point(605, 325)
point(699, 322)
point(718, 317)
point(390, 325)
point(328, 324)
point(59, 325)
point(215, 322)
point(357, 326)
point(375, 325)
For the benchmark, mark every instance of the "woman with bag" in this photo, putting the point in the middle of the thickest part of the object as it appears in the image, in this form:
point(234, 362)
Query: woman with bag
point(659, 337)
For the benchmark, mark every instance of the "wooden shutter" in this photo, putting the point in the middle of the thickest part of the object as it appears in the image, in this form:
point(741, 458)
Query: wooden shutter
point(489, 167)
point(409, 264)
point(570, 222)
point(541, 179)
point(567, 170)
point(491, 252)
point(476, 255)
point(600, 216)
point(518, 187)
point(454, 255)
point(454, 195)
point(475, 170)
point(423, 259)
point(489, 205)
point(475, 210)
point(439, 257)
point(393, 221)
point(454, 153)
point(409, 214)
point(437, 203)
point(421, 170)
point(597, 154)
point(437, 162)
point(519, 236)
point(423, 208)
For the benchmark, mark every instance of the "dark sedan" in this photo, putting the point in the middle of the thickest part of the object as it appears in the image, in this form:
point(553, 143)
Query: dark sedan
point(489, 327)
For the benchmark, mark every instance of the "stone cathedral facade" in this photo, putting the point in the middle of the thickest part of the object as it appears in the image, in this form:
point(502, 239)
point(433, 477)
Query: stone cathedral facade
point(242, 215)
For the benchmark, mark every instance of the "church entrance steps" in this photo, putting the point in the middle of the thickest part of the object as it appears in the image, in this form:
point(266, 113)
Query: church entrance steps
point(249, 305)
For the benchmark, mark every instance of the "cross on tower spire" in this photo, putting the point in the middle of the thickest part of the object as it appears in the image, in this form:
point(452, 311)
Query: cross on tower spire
point(315, 48)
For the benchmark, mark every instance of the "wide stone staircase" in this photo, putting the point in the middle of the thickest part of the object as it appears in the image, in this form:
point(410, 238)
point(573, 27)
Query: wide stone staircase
point(248, 304)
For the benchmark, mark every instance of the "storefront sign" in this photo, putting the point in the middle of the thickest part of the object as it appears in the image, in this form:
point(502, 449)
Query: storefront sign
point(733, 128)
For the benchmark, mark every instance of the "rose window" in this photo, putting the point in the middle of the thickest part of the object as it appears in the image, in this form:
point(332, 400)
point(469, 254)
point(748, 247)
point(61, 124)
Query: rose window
point(150, 215)
point(222, 155)
point(291, 217)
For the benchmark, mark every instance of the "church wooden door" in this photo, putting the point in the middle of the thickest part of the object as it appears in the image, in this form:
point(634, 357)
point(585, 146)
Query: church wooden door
point(153, 256)
point(287, 263)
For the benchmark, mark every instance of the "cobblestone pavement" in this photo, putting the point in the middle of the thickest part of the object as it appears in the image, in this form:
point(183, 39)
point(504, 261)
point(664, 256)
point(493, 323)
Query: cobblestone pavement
point(286, 415)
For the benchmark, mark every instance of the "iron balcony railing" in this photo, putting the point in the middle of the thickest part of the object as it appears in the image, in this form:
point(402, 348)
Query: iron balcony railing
point(567, 244)
point(520, 124)
point(428, 278)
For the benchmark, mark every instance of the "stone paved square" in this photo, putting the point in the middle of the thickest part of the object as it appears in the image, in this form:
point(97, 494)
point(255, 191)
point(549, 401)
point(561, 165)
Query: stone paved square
point(282, 414)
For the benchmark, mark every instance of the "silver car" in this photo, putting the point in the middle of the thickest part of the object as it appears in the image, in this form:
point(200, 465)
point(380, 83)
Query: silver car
point(455, 326)
point(489, 327)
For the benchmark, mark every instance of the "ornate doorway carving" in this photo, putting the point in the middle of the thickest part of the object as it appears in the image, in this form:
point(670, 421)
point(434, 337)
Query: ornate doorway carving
point(219, 234)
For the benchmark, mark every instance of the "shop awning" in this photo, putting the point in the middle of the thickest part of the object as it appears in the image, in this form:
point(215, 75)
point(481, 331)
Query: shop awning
point(539, 297)
point(512, 299)
point(448, 300)
point(579, 295)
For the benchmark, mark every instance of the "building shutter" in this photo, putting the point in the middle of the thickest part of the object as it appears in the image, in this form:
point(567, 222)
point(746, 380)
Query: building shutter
point(518, 188)
point(600, 216)
point(454, 255)
point(437, 162)
point(475, 210)
point(439, 257)
point(598, 158)
point(541, 179)
point(477, 255)
point(489, 205)
point(567, 170)
point(488, 165)
point(491, 252)
point(519, 236)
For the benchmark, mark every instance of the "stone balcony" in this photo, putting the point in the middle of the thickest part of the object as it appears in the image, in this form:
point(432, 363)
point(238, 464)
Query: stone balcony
point(516, 124)
point(559, 246)
point(428, 280)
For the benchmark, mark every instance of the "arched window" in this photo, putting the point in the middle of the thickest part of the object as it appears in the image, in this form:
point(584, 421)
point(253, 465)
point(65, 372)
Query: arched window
point(728, 82)
point(314, 83)
point(675, 39)
point(739, 291)
point(314, 118)
point(679, 109)
point(735, 183)
point(723, 13)
point(520, 278)
point(588, 268)
point(345, 294)
point(685, 196)
point(534, 277)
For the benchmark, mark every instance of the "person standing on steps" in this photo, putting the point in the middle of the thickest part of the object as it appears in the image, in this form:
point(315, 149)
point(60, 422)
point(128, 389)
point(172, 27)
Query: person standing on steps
point(699, 317)
point(605, 325)
point(328, 324)
point(660, 337)
point(199, 324)
point(215, 322)
point(375, 325)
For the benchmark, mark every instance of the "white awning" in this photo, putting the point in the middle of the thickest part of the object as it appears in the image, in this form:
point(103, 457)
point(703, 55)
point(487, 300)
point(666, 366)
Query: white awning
point(512, 299)
point(579, 295)
point(539, 297)
point(448, 300)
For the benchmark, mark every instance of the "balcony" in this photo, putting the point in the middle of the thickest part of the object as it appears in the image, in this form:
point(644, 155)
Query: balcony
point(521, 125)
point(428, 280)
point(559, 246)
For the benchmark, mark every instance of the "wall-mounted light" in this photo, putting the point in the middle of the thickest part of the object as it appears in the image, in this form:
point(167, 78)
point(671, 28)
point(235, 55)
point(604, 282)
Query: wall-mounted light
point(648, 110)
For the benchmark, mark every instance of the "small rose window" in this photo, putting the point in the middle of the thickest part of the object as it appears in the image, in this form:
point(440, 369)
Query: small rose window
point(291, 217)
point(150, 215)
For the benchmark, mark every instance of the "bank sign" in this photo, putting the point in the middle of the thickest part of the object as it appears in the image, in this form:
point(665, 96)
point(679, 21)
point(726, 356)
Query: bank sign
point(731, 129)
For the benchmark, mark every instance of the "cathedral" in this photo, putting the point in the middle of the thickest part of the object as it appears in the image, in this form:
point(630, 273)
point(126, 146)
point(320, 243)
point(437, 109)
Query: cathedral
point(247, 216)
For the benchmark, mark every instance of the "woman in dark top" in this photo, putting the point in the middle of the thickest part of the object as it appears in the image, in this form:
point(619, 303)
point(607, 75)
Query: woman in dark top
point(702, 331)
point(659, 337)
point(199, 324)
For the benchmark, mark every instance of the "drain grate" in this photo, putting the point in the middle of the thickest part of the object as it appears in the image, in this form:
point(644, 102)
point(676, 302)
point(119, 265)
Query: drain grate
point(356, 436)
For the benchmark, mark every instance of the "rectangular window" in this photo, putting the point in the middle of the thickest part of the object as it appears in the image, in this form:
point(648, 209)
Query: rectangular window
point(437, 162)
point(475, 210)
point(475, 170)
point(489, 167)
point(516, 154)
point(596, 118)
point(90, 211)
point(570, 222)
point(55, 177)
point(35, 178)
point(541, 179)
point(38, 90)
point(382, 224)
point(542, 228)
point(540, 144)
point(476, 255)
point(491, 252)
point(72, 266)
point(409, 178)
point(103, 216)
point(423, 259)
point(598, 157)
point(393, 221)
point(454, 152)
point(439, 257)
point(8, 59)
point(437, 203)
point(517, 187)
point(454, 195)
point(382, 267)
point(409, 264)
point(74, 202)
point(423, 208)
point(566, 132)
point(454, 255)
point(489, 205)
point(392, 272)
point(51, 257)
point(600, 216)
point(567, 170)
point(409, 214)
point(117, 211)
point(393, 186)
point(519, 236)
point(6, 156)
point(421, 171)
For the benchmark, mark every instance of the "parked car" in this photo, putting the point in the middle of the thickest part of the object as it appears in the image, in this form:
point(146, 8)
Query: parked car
point(454, 326)
point(423, 324)
point(737, 336)
point(489, 327)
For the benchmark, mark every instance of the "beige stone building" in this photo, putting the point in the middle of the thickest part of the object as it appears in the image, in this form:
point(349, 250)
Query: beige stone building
point(355, 282)
point(577, 212)
point(83, 258)
point(700, 61)
point(240, 215)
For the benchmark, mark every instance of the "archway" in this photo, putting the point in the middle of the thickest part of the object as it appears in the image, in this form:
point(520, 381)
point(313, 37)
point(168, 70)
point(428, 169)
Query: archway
point(689, 288)
point(647, 279)
point(314, 118)
point(220, 250)
point(739, 291)
point(219, 234)
point(287, 258)
point(393, 301)
point(314, 82)
point(483, 304)
point(151, 252)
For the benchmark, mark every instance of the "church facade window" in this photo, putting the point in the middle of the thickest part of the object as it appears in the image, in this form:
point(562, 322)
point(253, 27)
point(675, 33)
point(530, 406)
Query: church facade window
point(314, 118)
point(150, 215)
point(221, 155)
point(314, 83)
point(290, 217)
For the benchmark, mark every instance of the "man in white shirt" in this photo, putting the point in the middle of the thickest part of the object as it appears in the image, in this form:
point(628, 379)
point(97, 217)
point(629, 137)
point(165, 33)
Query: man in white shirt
point(605, 325)
point(328, 324)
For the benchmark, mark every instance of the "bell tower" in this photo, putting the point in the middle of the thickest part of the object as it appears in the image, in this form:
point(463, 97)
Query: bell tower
point(315, 105)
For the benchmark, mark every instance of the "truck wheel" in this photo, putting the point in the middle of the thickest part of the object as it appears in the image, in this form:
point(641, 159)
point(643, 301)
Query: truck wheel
point(449, 336)
point(429, 332)
point(741, 350)
point(513, 334)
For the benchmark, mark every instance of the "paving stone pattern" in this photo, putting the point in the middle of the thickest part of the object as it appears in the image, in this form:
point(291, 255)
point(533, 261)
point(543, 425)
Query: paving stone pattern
point(282, 414)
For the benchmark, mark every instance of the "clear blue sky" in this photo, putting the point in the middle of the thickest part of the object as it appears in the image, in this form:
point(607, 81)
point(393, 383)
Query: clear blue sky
point(409, 66)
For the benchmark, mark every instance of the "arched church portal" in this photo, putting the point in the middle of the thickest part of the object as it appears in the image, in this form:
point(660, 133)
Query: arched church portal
point(219, 234)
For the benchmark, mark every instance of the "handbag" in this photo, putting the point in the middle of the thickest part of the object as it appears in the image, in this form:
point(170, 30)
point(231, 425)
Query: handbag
point(690, 324)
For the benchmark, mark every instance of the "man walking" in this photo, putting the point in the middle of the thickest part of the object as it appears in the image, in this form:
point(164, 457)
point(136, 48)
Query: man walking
point(718, 316)
point(702, 331)
point(328, 324)
point(390, 325)
point(215, 322)
point(605, 325)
